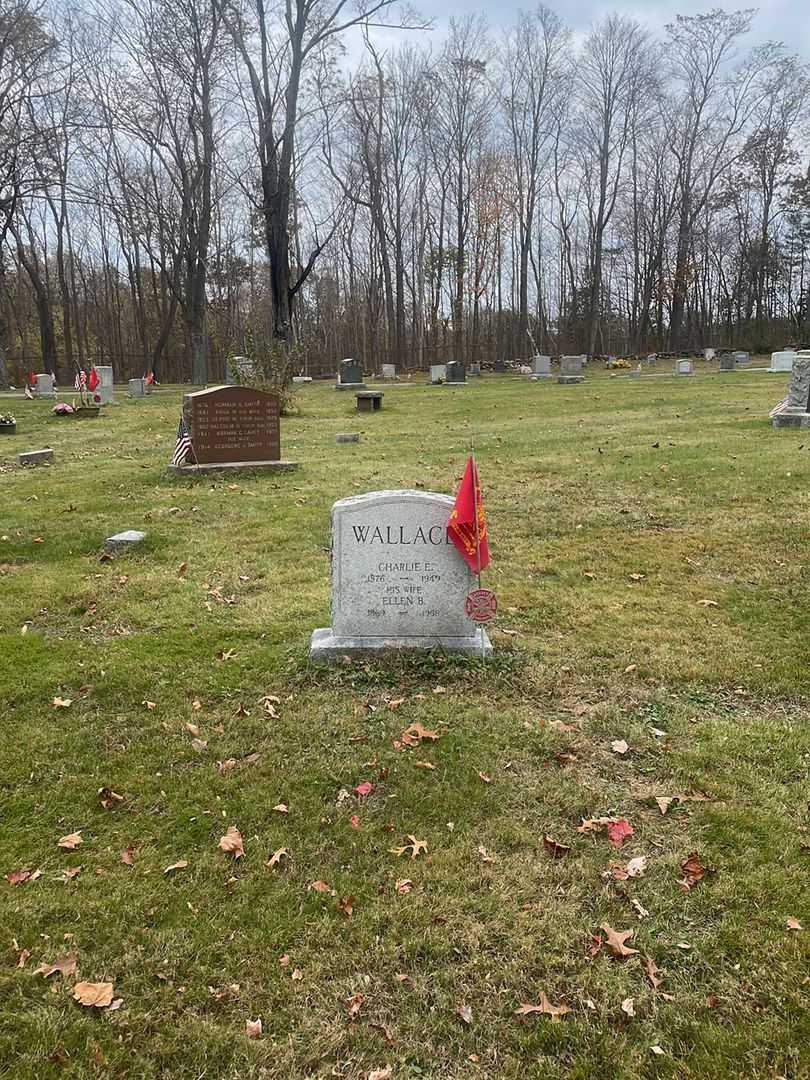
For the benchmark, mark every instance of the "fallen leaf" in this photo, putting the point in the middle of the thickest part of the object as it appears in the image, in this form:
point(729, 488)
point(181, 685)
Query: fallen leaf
point(637, 577)
point(128, 856)
point(630, 669)
point(652, 972)
point(794, 924)
point(71, 841)
point(69, 873)
point(97, 995)
point(320, 886)
point(225, 654)
point(381, 1074)
point(181, 569)
point(637, 867)
point(486, 779)
point(253, 1028)
point(657, 1050)
point(615, 941)
point(231, 842)
point(485, 855)
point(664, 802)
point(554, 849)
point(180, 865)
point(618, 831)
point(22, 957)
point(414, 734)
point(109, 798)
point(544, 1007)
point(276, 857)
point(17, 877)
point(364, 789)
point(404, 886)
point(395, 704)
point(62, 703)
point(693, 871)
point(353, 1005)
point(346, 905)
point(708, 603)
point(415, 847)
point(640, 910)
point(423, 765)
point(192, 729)
point(465, 1014)
point(64, 965)
point(149, 704)
point(628, 1007)
point(619, 746)
point(281, 808)
point(199, 744)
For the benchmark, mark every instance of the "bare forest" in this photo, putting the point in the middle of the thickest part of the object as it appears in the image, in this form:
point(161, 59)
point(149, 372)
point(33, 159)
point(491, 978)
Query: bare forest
point(180, 178)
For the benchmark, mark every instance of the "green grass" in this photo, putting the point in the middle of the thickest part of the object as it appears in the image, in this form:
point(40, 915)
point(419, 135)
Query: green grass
point(682, 481)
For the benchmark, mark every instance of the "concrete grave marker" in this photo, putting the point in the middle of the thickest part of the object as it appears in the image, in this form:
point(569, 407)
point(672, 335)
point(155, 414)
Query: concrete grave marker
point(456, 374)
point(36, 457)
point(350, 376)
point(398, 582)
point(782, 360)
point(727, 362)
point(438, 373)
point(124, 541)
point(389, 371)
point(105, 388)
point(795, 410)
point(232, 429)
point(541, 366)
point(571, 370)
point(683, 367)
point(137, 387)
point(44, 386)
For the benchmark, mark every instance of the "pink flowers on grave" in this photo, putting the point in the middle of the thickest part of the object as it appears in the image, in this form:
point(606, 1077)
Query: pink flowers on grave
point(62, 409)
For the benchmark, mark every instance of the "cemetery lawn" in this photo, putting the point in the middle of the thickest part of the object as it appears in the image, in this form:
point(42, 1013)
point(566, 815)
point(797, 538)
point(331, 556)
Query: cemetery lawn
point(649, 545)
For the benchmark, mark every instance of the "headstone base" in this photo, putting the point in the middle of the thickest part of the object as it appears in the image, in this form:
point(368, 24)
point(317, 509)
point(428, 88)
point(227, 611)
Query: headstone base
point(796, 419)
point(453, 384)
point(326, 646)
point(123, 541)
point(232, 468)
point(36, 457)
point(537, 376)
point(350, 386)
point(567, 380)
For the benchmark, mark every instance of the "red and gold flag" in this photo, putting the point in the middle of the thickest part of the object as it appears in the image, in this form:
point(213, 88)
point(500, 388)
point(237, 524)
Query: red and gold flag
point(470, 541)
point(93, 380)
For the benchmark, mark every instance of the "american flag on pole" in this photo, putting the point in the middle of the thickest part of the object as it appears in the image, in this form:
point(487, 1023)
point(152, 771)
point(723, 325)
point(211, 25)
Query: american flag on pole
point(28, 392)
point(777, 409)
point(183, 446)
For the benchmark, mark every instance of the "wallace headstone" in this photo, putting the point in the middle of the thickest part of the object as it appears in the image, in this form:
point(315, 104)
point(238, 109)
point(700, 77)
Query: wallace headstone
point(398, 582)
point(232, 429)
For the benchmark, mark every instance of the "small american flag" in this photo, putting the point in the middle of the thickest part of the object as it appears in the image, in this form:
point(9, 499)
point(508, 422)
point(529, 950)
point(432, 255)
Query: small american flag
point(28, 393)
point(777, 409)
point(183, 446)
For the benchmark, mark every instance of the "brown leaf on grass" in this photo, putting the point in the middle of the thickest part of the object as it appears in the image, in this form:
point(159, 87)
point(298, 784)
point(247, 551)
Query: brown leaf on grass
point(615, 941)
point(663, 802)
point(346, 905)
point(560, 725)
point(693, 871)
point(708, 603)
point(423, 765)
point(231, 842)
point(545, 1007)
point(320, 886)
point(554, 849)
point(276, 857)
point(281, 808)
point(618, 831)
point(485, 855)
point(149, 704)
point(62, 703)
point(652, 972)
point(465, 1014)
point(629, 1007)
point(385, 1032)
point(128, 856)
point(199, 744)
point(253, 1028)
point(415, 847)
point(192, 729)
point(69, 873)
point(619, 746)
point(404, 886)
point(70, 842)
point(179, 865)
point(93, 995)
point(22, 957)
point(486, 779)
point(794, 924)
point(181, 569)
point(353, 1005)
point(395, 704)
point(413, 735)
point(109, 798)
point(381, 1074)
point(17, 877)
point(225, 654)
point(64, 965)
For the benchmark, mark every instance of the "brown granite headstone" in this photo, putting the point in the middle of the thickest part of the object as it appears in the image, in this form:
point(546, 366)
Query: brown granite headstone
point(232, 424)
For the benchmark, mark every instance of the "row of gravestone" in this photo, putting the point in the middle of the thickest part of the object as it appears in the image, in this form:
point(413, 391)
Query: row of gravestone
point(104, 394)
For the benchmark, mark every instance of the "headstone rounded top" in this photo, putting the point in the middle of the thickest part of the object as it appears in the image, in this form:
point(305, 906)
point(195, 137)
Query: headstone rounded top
point(402, 495)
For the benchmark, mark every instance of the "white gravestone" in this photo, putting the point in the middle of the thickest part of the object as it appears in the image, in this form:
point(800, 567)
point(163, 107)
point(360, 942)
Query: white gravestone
point(782, 360)
point(709, 354)
point(137, 387)
point(398, 582)
point(389, 371)
point(438, 373)
point(683, 367)
point(44, 386)
point(105, 387)
point(541, 365)
point(571, 369)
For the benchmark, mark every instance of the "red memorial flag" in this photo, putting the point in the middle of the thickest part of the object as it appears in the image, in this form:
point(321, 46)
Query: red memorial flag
point(470, 541)
point(92, 379)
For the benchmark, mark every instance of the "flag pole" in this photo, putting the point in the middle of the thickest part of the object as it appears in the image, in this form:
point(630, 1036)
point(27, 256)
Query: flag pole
point(476, 493)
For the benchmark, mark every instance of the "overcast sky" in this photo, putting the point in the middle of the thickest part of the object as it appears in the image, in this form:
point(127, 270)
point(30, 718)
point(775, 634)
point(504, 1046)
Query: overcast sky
point(776, 20)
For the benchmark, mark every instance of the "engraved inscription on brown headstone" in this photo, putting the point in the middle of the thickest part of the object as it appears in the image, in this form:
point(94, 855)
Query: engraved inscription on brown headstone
point(232, 424)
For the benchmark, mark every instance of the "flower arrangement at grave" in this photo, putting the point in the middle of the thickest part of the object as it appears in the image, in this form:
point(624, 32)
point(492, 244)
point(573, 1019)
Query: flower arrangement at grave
point(8, 423)
point(89, 402)
point(266, 365)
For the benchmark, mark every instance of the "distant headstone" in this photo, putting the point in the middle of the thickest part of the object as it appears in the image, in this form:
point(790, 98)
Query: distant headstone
point(456, 373)
point(44, 387)
point(438, 373)
point(500, 366)
point(474, 369)
point(541, 365)
point(398, 583)
point(299, 380)
point(741, 357)
point(124, 541)
point(571, 370)
point(241, 369)
point(783, 360)
point(350, 376)
point(36, 457)
point(709, 354)
point(727, 362)
point(369, 400)
point(347, 437)
point(636, 372)
point(105, 388)
point(137, 387)
point(232, 429)
point(794, 411)
point(389, 371)
point(683, 367)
